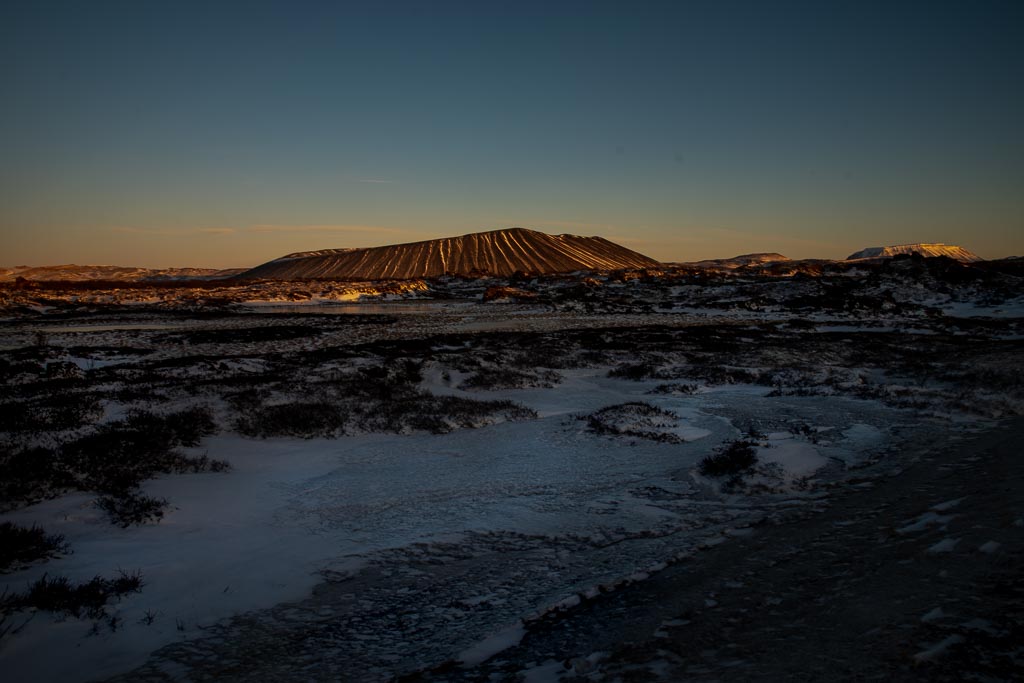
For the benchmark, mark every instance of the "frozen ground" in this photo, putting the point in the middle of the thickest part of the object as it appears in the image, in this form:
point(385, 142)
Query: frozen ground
point(907, 577)
point(422, 545)
point(376, 543)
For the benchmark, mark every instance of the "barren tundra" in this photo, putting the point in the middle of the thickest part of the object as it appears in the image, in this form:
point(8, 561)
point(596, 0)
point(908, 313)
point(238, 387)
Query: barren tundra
point(613, 475)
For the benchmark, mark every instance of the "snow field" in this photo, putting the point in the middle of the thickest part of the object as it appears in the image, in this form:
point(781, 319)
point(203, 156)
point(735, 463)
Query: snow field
point(571, 512)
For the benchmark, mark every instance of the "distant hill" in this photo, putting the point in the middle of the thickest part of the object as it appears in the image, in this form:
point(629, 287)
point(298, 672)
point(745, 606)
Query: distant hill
point(924, 249)
point(498, 252)
point(75, 273)
point(742, 260)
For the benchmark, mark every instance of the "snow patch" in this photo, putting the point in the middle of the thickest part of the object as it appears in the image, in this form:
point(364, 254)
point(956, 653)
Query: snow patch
point(922, 522)
point(938, 649)
point(797, 458)
point(492, 645)
point(946, 545)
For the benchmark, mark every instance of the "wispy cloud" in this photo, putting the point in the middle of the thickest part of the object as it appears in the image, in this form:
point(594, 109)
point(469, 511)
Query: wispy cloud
point(262, 229)
point(376, 181)
point(704, 235)
point(375, 229)
point(559, 224)
point(626, 239)
point(172, 232)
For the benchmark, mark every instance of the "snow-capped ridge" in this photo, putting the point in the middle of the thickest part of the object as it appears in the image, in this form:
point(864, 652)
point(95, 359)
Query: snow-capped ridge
point(930, 249)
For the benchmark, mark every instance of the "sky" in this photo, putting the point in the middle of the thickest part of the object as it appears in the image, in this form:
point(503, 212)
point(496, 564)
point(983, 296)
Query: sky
point(225, 134)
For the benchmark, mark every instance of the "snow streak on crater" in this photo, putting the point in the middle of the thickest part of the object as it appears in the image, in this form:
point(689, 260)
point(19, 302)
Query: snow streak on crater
point(499, 252)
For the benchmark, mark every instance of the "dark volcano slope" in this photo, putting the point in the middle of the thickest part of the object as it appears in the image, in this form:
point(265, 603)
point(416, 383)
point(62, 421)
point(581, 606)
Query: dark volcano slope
point(498, 252)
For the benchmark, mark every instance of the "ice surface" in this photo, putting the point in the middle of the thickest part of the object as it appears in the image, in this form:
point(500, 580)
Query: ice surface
point(492, 645)
point(947, 505)
point(923, 521)
point(798, 459)
point(575, 511)
point(938, 649)
point(946, 545)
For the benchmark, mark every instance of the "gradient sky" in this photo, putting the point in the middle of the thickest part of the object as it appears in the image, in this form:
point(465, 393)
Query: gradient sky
point(224, 134)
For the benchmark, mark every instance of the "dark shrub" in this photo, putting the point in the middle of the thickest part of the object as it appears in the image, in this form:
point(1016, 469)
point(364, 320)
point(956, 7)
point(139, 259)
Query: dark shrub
point(634, 371)
point(115, 459)
point(383, 382)
point(635, 419)
point(30, 475)
point(675, 388)
point(60, 595)
point(21, 545)
point(58, 410)
point(737, 457)
point(191, 425)
point(466, 412)
point(185, 427)
point(132, 507)
point(435, 414)
point(126, 583)
point(303, 419)
point(371, 399)
point(511, 378)
point(121, 455)
point(407, 371)
point(204, 463)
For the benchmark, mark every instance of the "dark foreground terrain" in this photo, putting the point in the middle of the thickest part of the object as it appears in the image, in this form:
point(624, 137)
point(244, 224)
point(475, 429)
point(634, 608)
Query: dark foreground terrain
point(915, 575)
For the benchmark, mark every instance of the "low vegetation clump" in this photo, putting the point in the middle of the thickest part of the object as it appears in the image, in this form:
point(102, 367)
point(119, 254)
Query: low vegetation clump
point(675, 389)
point(408, 412)
point(382, 398)
point(121, 455)
point(438, 414)
point(11, 368)
point(28, 475)
point(60, 595)
point(547, 353)
point(737, 457)
point(132, 507)
point(304, 419)
point(511, 378)
point(725, 374)
point(636, 419)
point(58, 410)
point(113, 460)
point(634, 371)
point(20, 545)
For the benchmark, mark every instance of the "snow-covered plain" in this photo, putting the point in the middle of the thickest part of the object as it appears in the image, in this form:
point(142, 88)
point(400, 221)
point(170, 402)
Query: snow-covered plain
point(571, 511)
point(369, 555)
